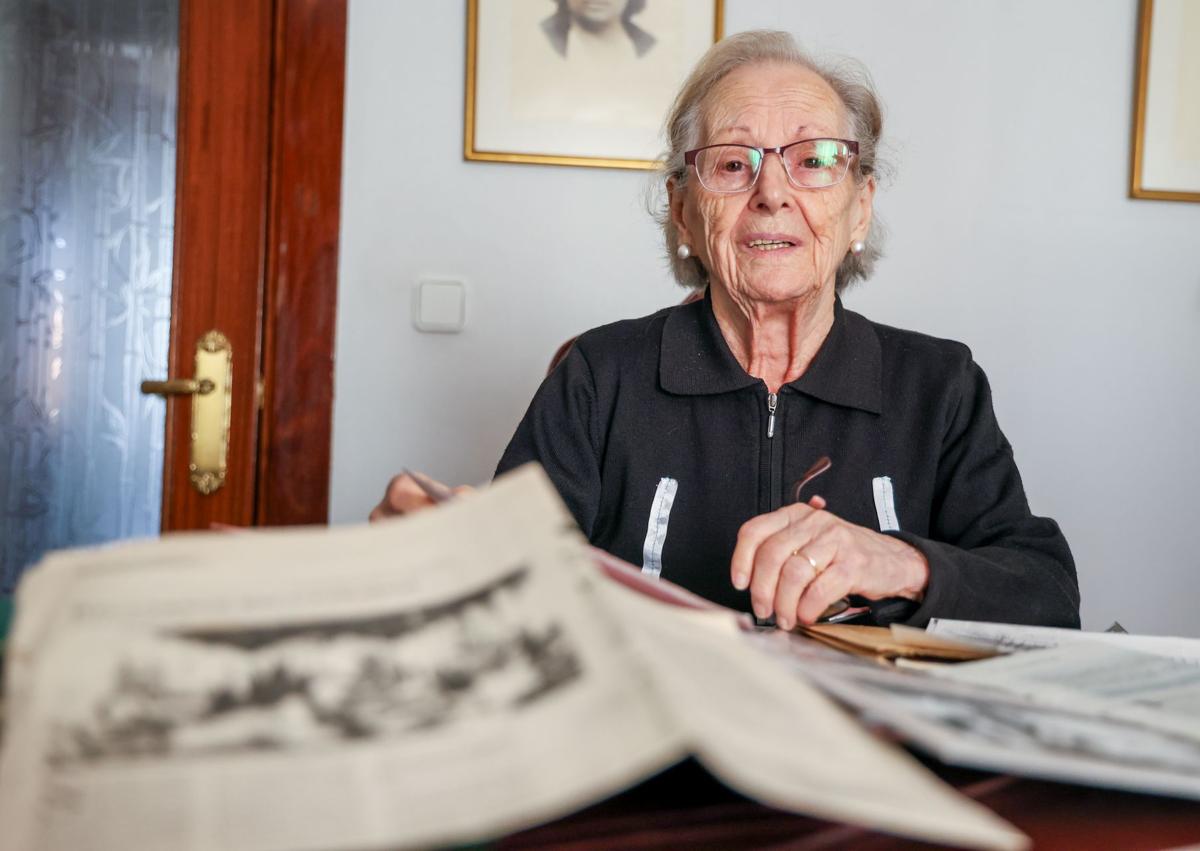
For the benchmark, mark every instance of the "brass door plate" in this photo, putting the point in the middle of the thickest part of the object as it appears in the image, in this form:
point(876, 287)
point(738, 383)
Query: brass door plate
point(211, 412)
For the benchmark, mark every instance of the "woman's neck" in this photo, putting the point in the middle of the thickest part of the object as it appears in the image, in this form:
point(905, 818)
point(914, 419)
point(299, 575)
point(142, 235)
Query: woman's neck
point(775, 341)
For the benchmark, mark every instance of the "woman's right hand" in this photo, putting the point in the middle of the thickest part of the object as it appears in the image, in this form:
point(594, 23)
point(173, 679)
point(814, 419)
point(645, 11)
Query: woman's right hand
point(404, 496)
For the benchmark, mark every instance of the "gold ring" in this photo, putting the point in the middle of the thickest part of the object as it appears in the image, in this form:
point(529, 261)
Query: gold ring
point(815, 568)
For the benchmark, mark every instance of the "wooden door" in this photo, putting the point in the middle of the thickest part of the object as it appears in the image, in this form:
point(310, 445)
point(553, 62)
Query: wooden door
point(256, 226)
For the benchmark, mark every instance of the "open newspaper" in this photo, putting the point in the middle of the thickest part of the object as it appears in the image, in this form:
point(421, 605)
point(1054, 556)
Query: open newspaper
point(1090, 708)
point(444, 678)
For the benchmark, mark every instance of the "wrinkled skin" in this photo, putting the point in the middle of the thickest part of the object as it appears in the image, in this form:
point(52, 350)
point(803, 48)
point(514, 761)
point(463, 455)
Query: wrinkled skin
point(775, 308)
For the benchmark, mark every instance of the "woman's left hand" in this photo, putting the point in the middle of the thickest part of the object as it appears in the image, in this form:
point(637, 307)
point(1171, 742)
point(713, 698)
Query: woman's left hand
point(800, 559)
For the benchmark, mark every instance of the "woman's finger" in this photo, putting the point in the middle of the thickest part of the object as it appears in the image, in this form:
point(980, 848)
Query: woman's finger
point(798, 570)
point(403, 496)
point(753, 532)
point(830, 585)
point(774, 552)
point(750, 537)
point(806, 563)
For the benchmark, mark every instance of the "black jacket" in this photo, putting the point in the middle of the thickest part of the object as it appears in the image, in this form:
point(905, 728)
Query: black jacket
point(662, 397)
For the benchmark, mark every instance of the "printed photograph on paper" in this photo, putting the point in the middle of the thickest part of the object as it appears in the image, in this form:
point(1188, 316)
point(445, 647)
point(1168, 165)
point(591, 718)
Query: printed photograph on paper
point(557, 80)
point(303, 685)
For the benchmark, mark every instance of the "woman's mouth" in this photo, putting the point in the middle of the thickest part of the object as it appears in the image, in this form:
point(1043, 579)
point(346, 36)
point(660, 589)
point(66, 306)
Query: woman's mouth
point(770, 242)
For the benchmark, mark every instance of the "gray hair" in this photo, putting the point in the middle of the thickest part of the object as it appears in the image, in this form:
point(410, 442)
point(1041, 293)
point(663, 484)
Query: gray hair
point(684, 126)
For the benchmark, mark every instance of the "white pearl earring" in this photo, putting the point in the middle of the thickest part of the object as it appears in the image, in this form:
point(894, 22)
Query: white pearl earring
point(684, 251)
point(857, 247)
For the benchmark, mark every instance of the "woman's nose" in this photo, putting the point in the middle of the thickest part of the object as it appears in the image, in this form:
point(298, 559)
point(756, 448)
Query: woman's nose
point(772, 190)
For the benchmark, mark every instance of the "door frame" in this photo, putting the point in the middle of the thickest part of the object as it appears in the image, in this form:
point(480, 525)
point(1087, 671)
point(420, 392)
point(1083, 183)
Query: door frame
point(258, 193)
point(304, 219)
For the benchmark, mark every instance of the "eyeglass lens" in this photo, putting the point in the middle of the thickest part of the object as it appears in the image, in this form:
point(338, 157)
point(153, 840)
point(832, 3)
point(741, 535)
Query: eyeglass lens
point(812, 164)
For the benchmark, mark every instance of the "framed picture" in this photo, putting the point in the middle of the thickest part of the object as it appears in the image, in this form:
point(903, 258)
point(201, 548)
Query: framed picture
point(1166, 124)
point(579, 82)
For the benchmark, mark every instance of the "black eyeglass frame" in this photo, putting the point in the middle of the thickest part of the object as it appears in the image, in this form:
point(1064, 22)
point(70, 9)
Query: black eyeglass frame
point(689, 158)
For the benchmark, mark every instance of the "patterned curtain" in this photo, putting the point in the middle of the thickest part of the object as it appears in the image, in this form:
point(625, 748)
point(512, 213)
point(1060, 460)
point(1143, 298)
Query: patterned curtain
point(87, 194)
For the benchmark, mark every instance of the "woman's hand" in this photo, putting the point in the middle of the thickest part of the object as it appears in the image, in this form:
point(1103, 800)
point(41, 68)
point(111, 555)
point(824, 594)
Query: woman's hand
point(798, 560)
point(404, 496)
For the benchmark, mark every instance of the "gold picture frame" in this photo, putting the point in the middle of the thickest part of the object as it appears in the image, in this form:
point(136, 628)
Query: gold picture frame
point(555, 148)
point(1168, 178)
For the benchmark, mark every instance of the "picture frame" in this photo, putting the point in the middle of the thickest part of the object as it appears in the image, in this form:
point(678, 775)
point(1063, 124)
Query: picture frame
point(547, 85)
point(1166, 125)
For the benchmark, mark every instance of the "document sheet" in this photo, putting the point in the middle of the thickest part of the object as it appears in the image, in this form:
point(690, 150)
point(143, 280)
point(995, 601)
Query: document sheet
point(1016, 637)
point(999, 722)
point(1108, 681)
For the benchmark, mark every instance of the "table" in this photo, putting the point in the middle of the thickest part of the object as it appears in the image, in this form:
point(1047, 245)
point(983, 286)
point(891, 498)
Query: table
point(685, 807)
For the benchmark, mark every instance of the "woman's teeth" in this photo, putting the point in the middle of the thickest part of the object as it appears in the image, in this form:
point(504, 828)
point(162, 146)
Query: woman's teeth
point(769, 244)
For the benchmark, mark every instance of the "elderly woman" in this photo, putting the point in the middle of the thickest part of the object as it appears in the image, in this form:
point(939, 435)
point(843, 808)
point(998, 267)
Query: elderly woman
point(677, 440)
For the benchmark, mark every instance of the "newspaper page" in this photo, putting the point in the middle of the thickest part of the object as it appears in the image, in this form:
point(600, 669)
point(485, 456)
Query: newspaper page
point(1017, 637)
point(769, 734)
point(439, 679)
point(977, 726)
point(1108, 680)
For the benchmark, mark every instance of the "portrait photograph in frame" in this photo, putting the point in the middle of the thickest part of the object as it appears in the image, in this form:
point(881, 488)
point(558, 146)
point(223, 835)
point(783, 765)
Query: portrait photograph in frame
point(579, 82)
point(1166, 132)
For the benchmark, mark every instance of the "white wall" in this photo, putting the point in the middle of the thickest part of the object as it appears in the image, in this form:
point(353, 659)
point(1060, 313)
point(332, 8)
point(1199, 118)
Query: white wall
point(1009, 124)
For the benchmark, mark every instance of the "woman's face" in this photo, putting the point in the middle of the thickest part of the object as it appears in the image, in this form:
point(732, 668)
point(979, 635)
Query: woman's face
point(771, 105)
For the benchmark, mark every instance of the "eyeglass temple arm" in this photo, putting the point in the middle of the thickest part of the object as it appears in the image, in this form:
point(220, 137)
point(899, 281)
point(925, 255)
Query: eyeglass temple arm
point(820, 466)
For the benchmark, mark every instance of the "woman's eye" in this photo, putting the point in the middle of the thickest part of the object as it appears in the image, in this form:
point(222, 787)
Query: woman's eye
point(734, 166)
point(816, 162)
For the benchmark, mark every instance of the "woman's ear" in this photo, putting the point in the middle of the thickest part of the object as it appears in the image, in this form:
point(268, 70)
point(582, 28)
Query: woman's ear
point(864, 209)
point(675, 199)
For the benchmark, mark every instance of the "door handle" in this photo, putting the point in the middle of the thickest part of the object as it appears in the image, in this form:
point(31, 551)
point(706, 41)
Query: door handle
point(211, 409)
point(178, 387)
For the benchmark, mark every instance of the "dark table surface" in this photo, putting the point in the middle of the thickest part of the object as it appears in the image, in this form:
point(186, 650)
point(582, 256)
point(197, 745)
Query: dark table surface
point(685, 807)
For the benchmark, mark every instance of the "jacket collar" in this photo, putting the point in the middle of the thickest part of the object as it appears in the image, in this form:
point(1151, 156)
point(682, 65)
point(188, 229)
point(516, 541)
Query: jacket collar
point(696, 360)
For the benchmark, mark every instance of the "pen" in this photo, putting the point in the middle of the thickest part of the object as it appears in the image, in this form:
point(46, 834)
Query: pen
point(437, 492)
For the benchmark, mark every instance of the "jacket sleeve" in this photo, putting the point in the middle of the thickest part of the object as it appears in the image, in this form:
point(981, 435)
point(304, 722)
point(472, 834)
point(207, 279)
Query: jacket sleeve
point(989, 558)
point(560, 432)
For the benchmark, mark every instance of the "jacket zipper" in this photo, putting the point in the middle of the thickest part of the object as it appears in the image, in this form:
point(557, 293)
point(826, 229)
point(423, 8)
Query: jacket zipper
point(772, 406)
point(773, 454)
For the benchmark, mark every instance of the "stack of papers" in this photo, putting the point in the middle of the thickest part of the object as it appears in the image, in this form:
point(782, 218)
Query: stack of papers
point(1099, 709)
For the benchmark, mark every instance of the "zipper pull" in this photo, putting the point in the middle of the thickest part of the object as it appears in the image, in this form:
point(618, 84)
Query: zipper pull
point(772, 401)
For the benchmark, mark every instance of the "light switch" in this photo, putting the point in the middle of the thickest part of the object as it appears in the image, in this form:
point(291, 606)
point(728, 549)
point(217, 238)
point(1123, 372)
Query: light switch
point(440, 306)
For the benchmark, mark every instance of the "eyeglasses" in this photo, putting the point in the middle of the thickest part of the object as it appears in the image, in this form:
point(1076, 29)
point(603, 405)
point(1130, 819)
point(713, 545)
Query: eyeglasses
point(809, 163)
